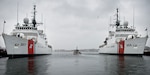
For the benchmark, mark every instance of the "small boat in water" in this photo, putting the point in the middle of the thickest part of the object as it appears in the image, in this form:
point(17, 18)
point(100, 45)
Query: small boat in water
point(122, 40)
point(76, 52)
point(27, 39)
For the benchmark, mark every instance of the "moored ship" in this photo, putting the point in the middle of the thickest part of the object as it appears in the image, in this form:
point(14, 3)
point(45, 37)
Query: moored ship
point(27, 39)
point(122, 40)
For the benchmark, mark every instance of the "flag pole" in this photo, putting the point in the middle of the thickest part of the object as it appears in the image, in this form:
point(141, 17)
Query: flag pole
point(4, 26)
point(146, 32)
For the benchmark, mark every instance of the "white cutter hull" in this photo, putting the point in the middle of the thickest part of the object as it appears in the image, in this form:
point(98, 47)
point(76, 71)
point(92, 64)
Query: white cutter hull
point(20, 46)
point(130, 46)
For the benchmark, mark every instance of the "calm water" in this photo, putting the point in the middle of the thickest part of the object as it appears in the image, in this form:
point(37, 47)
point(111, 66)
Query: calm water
point(68, 64)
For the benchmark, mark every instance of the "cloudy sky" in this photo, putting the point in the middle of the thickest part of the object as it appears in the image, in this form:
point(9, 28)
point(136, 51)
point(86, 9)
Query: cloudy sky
point(71, 23)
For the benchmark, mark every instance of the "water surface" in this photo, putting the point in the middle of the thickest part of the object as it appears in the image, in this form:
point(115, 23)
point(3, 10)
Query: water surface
point(68, 64)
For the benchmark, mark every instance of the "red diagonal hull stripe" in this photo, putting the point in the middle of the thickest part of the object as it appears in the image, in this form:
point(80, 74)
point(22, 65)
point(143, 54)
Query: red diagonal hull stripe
point(121, 47)
point(30, 47)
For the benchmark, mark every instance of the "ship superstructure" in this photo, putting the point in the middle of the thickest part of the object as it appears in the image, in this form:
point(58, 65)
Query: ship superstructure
point(123, 39)
point(27, 39)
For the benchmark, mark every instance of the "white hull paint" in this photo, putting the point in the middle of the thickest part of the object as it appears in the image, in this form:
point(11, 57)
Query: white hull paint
point(132, 46)
point(123, 39)
point(27, 39)
point(19, 46)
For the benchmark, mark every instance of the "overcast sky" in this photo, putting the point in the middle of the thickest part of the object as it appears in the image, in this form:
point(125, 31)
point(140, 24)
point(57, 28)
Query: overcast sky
point(71, 23)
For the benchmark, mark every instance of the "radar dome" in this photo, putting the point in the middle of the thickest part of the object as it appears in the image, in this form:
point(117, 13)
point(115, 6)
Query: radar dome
point(126, 24)
point(26, 20)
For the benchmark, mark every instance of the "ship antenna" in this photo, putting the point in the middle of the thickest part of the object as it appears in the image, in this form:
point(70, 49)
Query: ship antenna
point(133, 17)
point(117, 22)
point(76, 47)
point(17, 12)
point(34, 16)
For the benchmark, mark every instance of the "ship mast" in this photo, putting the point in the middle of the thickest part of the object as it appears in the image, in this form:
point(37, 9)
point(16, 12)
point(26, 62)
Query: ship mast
point(117, 22)
point(34, 16)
